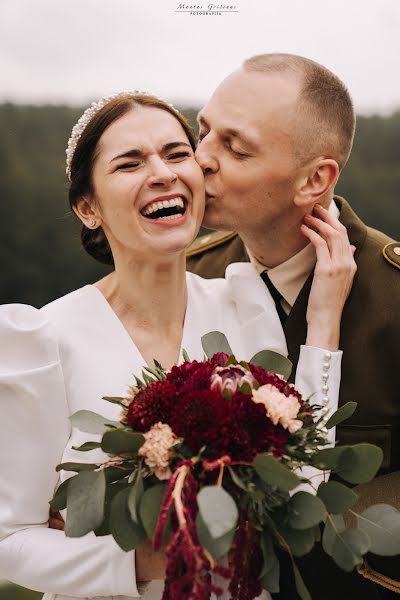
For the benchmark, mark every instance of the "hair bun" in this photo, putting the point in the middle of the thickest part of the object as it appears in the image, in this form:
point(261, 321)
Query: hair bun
point(96, 244)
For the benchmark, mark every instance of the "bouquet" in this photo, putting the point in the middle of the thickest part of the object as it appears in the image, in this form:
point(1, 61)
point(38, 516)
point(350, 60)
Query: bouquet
point(207, 460)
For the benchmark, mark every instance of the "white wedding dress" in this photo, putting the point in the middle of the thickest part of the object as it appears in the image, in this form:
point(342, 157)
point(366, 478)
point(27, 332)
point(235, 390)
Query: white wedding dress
point(65, 357)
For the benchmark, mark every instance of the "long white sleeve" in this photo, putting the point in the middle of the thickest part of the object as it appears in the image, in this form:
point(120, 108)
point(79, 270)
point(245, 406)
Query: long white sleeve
point(34, 431)
point(318, 376)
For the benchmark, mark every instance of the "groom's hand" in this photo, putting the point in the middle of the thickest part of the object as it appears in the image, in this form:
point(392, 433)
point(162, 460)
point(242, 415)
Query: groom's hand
point(55, 520)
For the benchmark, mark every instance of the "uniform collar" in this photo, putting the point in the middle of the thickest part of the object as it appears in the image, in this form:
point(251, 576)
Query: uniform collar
point(290, 276)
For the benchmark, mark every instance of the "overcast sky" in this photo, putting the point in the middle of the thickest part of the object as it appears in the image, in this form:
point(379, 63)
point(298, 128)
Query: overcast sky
point(77, 50)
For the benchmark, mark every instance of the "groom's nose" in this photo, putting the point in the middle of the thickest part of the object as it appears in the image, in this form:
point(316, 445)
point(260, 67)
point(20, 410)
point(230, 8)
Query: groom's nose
point(206, 157)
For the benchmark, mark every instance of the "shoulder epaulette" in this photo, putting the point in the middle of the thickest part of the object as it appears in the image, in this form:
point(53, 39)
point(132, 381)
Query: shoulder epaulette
point(391, 253)
point(208, 241)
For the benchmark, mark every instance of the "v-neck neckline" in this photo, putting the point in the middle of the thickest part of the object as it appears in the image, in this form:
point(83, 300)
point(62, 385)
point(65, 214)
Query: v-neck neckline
point(188, 319)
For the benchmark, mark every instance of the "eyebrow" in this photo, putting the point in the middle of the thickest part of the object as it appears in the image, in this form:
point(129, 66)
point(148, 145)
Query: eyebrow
point(137, 153)
point(252, 144)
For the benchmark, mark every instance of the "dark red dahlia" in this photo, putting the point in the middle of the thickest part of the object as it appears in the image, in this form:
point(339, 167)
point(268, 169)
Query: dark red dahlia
point(151, 405)
point(251, 431)
point(200, 417)
point(193, 375)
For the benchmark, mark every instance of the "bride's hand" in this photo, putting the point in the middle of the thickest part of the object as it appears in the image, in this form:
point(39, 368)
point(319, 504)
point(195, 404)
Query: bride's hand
point(333, 277)
point(150, 564)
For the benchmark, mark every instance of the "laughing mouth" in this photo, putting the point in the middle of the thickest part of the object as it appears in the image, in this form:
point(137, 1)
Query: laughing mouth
point(170, 209)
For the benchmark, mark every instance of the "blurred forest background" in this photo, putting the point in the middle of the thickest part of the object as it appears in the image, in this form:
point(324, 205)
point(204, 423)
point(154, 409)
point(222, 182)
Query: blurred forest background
point(41, 257)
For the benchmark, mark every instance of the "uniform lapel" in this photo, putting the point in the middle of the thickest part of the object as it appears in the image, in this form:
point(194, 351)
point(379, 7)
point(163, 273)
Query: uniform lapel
point(295, 327)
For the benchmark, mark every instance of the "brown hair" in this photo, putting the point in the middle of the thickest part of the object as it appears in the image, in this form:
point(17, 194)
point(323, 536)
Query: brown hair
point(94, 240)
point(325, 113)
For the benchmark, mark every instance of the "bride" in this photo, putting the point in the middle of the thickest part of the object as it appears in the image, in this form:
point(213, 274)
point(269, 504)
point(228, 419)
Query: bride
point(136, 187)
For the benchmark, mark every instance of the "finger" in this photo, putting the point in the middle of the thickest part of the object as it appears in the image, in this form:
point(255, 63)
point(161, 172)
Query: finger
point(326, 216)
point(319, 243)
point(334, 239)
point(56, 524)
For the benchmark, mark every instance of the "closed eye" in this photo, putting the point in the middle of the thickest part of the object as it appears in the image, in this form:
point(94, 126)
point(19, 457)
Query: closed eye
point(129, 165)
point(177, 155)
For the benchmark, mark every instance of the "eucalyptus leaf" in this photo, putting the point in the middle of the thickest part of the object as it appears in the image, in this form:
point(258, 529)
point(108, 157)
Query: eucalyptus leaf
point(301, 541)
point(214, 342)
point(150, 506)
point(85, 503)
point(327, 458)
point(115, 442)
point(135, 495)
point(271, 569)
point(75, 466)
point(305, 510)
point(87, 446)
point(126, 533)
point(343, 413)
point(349, 547)
point(381, 523)
point(267, 550)
point(218, 510)
point(275, 473)
point(59, 500)
point(91, 422)
point(218, 547)
point(333, 525)
point(300, 585)
point(337, 497)
point(237, 480)
point(360, 463)
point(272, 361)
point(111, 491)
point(114, 474)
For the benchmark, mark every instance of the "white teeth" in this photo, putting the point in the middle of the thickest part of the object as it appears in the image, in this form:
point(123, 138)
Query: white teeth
point(178, 202)
point(169, 218)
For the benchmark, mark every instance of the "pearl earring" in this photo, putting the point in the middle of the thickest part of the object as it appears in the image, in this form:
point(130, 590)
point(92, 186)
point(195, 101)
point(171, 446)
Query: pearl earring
point(92, 222)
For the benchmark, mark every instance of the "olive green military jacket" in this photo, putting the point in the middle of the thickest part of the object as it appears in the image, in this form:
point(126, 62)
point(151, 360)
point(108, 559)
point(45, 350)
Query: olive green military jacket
point(370, 340)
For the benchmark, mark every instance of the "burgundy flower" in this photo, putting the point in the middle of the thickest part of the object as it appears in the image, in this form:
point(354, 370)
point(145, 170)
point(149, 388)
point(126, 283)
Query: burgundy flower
point(219, 359)
point(191, 376)
point(200, 418)
point(251, 432)
point(151, 405)
point(230, 378)
point(267, 377)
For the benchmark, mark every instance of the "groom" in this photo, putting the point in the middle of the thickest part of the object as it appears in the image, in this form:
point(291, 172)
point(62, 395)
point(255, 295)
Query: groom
point(274, 138)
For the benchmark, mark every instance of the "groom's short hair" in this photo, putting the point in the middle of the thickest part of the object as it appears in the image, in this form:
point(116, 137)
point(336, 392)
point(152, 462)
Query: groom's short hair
point(325, 119)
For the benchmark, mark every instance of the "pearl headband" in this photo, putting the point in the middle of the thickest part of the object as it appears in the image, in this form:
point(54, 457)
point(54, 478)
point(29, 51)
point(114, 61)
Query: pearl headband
point(88, 115)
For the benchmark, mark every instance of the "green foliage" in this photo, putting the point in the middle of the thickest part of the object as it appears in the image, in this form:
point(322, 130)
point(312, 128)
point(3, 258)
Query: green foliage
point(273, 361)
point(275, 473)
point(218, 510)
point(343, 413)
point(150, 506)
point(337, 497)
point(381, 523)
point(85, 503)
point(91, 422)
point(213, 342)
point(42, 258)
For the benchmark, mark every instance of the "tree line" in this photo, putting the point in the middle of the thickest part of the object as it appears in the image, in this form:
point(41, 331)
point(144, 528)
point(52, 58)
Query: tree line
point(41, 257)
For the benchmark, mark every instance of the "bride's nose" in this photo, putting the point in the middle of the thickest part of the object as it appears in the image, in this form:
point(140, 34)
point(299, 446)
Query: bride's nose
point(160, 174)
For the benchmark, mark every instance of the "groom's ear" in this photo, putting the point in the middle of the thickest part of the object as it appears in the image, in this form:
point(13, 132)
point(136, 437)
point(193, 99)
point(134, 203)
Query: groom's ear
point(315, 181)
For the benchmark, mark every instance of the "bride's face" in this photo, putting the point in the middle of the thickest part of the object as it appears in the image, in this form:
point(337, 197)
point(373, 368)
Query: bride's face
point(148, 187)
